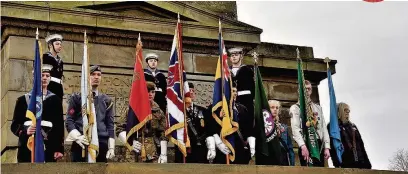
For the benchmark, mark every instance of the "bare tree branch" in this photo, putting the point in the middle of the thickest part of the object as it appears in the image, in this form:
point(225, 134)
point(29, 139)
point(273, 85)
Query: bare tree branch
point(399, 162)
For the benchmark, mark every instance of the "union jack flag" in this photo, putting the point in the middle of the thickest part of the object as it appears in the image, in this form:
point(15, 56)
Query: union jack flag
point(178, 93)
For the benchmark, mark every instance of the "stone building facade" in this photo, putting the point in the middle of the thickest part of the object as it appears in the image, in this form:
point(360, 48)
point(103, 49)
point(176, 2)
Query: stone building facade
point(113, 28)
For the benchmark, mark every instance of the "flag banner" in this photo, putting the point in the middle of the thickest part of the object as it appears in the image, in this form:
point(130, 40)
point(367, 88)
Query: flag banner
point(178, 93)
point(88, 108)
point(265, 124)
point(306, 115)
point(222, 110)
point(334, 124)
point(140, 111)
point(34, 109)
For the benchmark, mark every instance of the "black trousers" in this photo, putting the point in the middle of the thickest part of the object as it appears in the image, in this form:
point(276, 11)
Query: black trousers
point(56, 88)
point(316, 163)
point(24, 154)
point(76, 152)
point(198, 154)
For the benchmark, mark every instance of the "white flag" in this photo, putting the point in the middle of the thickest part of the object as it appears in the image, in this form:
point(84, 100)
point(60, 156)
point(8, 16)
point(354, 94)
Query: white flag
point(88, 109)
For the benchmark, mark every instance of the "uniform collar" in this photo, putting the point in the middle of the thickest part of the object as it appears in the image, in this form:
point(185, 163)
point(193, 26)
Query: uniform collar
point(237, 67)
point(50, 54)
point(152, 72)
point(96, 93)
point(49, 94)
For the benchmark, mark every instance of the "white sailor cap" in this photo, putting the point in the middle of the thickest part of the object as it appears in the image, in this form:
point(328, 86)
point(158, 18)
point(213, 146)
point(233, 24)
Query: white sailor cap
point(46, 68)
point(53, 37)
point(235, 50)
point(151, 56)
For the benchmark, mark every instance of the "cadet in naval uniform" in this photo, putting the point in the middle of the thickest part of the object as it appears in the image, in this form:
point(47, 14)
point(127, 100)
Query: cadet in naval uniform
point(321, 129)
point(152, 74)
point(155, 142)
point(243, 76)
point(104, 121)
point(54, 43)
point(52, 123)
point(200, 141)
point(244, 138)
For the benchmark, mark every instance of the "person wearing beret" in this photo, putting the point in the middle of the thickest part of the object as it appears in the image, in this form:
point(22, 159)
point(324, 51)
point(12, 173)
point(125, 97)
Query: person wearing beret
point(104, 121)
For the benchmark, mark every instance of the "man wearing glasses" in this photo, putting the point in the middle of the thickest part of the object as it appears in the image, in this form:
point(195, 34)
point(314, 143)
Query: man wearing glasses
point(321, 129)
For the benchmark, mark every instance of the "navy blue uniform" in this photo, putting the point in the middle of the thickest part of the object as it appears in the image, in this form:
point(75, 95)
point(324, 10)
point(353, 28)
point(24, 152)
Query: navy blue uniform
point(105, 124)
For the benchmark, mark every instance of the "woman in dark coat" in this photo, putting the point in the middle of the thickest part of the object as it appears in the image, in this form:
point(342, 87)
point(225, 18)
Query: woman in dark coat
point(354, 155)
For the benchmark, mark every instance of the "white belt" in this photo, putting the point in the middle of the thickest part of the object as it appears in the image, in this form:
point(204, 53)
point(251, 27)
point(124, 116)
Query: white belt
point(43, 123)
point(158, 89)
point(246, 92)
point(56, 80)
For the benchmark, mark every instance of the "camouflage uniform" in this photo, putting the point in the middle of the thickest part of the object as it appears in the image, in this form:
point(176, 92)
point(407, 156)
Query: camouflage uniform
point(153, 134)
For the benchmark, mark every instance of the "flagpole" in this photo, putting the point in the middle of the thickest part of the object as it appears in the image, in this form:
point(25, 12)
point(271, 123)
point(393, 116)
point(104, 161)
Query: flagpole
point(327, 61)
point(181, 67)
point(33, 135)
point(222, 74)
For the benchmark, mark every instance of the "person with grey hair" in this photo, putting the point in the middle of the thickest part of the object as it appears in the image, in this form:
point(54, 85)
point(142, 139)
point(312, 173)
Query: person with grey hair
point(54, 43)
point(288, 155)
point(52, 123)
point(153, 74)
point(104, 121)
point(354, 155)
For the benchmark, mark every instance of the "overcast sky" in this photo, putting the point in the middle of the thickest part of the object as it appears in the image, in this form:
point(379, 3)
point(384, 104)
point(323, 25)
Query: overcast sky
point(370, 42)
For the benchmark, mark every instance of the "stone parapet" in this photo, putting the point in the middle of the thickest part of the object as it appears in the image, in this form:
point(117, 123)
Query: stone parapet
point(121, 168)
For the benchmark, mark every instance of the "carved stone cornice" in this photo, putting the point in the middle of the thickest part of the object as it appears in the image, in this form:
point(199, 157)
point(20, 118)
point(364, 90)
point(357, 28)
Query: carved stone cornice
point(101, 19)
point(26, 28)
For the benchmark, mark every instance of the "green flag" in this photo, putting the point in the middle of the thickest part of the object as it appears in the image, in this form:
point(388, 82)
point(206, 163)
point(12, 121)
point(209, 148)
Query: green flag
point(306, 115)
point(267, 141)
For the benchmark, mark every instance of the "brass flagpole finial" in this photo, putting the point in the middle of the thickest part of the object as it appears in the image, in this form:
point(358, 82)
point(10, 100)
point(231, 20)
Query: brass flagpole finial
point(85, 39)
point(297, 53)
point(36, 34)
point(327, 60)
point(139, 38)
point(219, 25)
point(178, 17)
point(255, 57)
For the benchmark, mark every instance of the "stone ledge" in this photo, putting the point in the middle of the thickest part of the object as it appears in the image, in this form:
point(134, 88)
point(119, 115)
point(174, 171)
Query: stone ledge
point(171, 168)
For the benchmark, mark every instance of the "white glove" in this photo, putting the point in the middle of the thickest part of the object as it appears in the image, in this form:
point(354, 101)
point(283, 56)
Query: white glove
point(137, 146)
point(122, 137)
point(163, 154)
point(111, 152)
point(251, 142)
point(74, 135)
point(220, 145)
point(211, 148)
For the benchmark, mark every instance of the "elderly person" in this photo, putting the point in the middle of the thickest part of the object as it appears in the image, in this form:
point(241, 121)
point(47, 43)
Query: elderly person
point(354, 155)
point(288, 156)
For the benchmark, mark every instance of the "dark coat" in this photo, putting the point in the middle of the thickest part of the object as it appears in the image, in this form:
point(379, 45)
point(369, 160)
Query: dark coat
point(52, 112)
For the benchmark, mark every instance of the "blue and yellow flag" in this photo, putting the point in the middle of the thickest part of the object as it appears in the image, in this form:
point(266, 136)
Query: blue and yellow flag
point(334, 124)
point(222, 99)
point(34, 110)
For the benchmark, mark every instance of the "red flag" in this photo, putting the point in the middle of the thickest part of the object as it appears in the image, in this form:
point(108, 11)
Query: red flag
point(140, 111)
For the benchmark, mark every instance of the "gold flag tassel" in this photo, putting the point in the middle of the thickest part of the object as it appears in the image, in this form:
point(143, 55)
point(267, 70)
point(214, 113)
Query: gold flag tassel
point(143, 152)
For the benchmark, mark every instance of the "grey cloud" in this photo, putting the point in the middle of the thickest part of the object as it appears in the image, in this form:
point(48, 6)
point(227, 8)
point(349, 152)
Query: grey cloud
point(369, 41)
